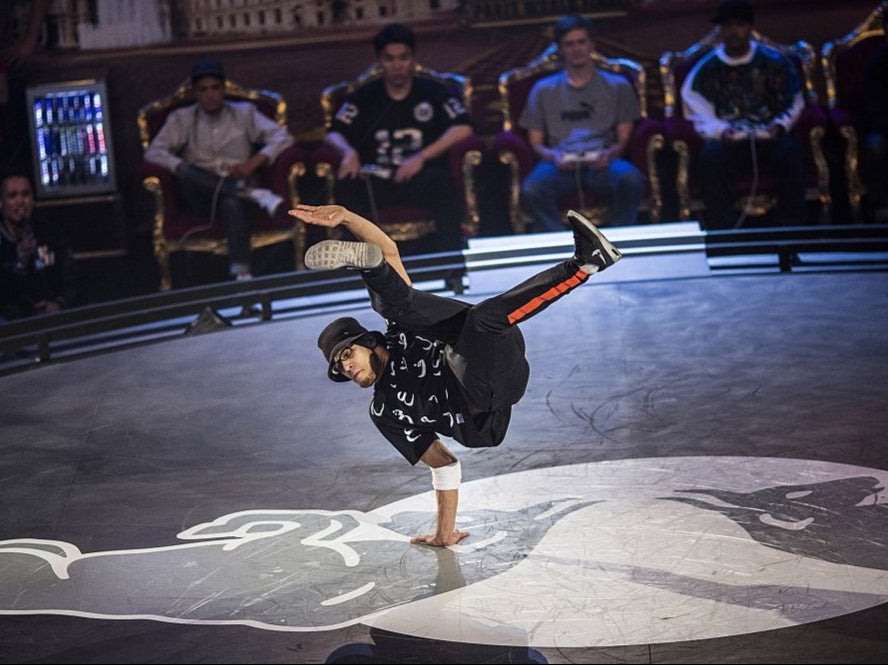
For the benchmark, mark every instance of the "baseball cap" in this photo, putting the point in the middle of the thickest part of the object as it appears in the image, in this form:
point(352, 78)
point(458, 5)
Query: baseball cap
point(207, 68)
point(739, 10)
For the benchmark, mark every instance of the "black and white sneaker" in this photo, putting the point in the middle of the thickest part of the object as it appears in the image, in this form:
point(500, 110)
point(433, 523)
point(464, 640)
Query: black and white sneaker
point(594, 252)
point(333, 254)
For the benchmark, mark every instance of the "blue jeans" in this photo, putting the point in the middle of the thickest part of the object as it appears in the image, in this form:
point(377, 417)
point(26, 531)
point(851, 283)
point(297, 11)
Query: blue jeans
point(720, 164)
point(621, 184)
point(198, 189)
point(875, 171)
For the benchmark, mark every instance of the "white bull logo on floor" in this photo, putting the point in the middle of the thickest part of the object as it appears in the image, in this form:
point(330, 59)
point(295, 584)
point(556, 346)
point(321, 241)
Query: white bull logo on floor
point(284, 568)
point(611, 553)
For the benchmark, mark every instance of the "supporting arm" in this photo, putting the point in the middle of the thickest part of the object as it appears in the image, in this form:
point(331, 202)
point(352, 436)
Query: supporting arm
point(443, 464)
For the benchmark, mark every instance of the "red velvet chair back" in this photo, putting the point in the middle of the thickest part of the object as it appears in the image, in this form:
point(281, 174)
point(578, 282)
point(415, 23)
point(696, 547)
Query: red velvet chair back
point(843, 62)
point(849, 71)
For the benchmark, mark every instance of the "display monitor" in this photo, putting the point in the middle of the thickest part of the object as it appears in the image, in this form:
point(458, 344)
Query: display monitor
point(71, 139)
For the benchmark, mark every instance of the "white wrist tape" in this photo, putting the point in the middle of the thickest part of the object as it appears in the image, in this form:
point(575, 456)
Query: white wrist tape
point(447, 477)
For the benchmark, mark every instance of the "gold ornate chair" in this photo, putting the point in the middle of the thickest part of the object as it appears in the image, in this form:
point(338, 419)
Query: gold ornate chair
point(843, 62)
point(684, 140)
point(406, 222)
point(512, 149)
point(176, 229)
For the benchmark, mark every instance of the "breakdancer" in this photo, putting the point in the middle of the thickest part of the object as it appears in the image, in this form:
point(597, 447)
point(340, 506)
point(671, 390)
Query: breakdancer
point(443, 367)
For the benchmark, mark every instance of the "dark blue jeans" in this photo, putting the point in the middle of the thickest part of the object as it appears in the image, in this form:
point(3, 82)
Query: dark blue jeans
point(875, 173)
point(621, 184)
point(205, 195)
point(720, 163)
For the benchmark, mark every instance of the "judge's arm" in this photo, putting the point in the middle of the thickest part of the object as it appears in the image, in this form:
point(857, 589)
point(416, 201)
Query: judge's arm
point(537, 140)
point(350, 166)
point(411, 166)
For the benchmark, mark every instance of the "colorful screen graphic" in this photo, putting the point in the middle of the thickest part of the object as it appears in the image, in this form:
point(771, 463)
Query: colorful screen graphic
point(71, 139)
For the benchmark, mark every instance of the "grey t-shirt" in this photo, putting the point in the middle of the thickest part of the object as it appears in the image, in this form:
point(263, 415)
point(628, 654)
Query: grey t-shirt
point(579, 119)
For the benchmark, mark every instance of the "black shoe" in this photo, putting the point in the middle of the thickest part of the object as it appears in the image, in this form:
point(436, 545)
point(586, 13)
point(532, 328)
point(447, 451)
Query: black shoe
point(332, 254)
point(594, 252)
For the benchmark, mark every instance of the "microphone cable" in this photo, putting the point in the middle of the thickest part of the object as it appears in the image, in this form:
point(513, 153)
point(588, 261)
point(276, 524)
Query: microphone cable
point(374, 211)
point(214, 203)
point(753, 189)
point(580, 189)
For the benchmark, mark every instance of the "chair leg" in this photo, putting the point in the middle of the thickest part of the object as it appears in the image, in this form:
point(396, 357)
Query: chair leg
point(516, 218)
point(455, 283)
point(161, 253)
point(299, 240)
point(681, 180)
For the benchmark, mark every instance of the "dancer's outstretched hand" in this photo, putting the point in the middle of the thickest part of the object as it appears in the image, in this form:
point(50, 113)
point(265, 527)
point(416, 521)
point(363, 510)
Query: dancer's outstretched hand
point(327, 215)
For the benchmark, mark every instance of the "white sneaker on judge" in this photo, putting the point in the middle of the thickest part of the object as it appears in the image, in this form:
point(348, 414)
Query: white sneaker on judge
point(267, 199)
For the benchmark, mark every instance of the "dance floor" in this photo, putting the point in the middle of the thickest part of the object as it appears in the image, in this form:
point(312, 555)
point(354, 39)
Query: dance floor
point(696, 474)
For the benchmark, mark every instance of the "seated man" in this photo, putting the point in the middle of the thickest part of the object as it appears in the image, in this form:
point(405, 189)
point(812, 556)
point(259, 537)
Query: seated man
point(742, 92)
point(874, 130)
point(36, 274)
point(402, 126)
point(210, 147)
point(578, 122)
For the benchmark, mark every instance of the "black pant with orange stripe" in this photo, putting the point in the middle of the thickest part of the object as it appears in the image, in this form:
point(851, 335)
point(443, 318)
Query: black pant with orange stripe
point(486, 347)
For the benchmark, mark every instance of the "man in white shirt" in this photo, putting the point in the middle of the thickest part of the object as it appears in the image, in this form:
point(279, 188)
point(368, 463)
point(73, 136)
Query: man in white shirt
point(210, 146)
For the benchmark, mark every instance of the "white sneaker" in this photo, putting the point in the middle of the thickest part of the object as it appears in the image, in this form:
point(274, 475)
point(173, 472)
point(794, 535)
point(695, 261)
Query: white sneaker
point(267, 199)
point(333, 254)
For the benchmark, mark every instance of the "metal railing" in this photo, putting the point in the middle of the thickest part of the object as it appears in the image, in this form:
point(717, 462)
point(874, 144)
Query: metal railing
point(113, 325)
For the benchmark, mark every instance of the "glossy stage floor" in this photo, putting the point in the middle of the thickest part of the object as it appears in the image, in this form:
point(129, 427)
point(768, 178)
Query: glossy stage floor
point(697, 474)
